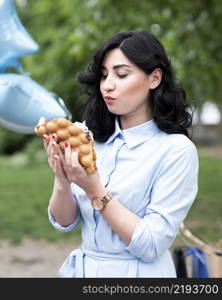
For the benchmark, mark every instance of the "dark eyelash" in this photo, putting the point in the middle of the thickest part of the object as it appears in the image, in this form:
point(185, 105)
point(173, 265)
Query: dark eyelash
point(119, 75)
point(122, 75)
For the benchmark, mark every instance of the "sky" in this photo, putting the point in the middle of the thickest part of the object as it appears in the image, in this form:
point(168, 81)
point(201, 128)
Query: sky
point(210, 114)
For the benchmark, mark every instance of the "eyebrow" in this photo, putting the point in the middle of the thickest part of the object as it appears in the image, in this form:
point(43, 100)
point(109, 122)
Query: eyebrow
point(118, 66)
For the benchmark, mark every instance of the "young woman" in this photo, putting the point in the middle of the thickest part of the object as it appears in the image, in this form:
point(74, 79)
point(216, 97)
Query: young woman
point(147, 164)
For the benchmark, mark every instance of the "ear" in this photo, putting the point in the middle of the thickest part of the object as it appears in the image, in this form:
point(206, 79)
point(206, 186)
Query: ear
point(155, 77)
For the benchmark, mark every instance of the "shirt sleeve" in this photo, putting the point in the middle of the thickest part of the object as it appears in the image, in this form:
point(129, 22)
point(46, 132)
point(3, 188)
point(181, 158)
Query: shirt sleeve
point(173, 193)
point(71, 226)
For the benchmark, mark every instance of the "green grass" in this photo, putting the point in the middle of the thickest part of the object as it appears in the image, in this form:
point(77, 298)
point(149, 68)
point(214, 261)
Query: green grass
point(25, 189)
point(205, 216)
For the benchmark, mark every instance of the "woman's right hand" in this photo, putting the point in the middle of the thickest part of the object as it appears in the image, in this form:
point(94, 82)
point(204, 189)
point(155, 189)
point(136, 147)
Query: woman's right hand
point(54, 154)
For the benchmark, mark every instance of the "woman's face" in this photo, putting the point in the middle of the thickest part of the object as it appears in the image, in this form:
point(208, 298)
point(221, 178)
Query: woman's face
point(125, 87)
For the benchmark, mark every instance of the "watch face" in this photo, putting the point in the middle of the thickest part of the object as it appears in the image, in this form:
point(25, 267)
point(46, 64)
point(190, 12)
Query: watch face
point(97, 204)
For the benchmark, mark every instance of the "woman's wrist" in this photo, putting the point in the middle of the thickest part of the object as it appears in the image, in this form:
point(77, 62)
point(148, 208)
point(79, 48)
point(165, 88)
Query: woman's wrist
point(97, 192)
point(61, 184)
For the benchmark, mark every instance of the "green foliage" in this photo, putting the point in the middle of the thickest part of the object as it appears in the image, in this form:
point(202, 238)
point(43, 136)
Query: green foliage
point(11, 141)
point(68, 33)
point(34, 150)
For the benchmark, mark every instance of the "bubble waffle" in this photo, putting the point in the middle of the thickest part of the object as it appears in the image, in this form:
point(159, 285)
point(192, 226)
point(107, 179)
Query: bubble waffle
point(76, 135)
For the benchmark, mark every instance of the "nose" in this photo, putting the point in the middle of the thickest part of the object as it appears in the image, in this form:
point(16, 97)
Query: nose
point(108, 84)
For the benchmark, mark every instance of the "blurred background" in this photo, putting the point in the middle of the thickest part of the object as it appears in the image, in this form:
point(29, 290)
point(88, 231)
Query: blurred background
point(68, 32)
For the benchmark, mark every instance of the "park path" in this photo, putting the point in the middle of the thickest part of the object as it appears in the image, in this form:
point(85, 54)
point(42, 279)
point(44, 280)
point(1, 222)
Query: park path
point(32, 259)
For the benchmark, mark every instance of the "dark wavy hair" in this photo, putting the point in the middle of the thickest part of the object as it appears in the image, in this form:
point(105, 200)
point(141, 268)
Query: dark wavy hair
point(168, 101)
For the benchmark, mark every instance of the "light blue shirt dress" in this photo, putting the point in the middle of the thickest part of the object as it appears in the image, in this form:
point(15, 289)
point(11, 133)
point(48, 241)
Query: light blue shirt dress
point(154, 175)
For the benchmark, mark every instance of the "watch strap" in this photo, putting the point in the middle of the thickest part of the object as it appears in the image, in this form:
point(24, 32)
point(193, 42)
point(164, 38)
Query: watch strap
point(103, 200)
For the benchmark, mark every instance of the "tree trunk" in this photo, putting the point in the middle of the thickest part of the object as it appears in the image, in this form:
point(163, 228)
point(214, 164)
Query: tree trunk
point(220, 124)
point(199, 127)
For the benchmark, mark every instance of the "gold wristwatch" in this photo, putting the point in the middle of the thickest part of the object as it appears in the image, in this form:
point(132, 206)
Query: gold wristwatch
point(99, 203)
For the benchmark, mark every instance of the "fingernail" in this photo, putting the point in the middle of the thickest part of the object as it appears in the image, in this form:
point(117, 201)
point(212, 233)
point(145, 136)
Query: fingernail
point(66, 145)
point(55, 157)
point(53, 144)
point(44, 136)
point(53, 136)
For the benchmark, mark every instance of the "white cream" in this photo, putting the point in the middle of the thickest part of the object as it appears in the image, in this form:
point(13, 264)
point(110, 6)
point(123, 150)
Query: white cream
point(81, 126)
point(41, 121)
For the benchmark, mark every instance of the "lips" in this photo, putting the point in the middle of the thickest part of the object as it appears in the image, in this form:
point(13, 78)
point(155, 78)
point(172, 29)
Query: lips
point(109, 99)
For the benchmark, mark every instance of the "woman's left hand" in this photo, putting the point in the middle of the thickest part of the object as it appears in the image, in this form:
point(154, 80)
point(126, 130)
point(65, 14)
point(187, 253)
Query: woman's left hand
point(90, 183)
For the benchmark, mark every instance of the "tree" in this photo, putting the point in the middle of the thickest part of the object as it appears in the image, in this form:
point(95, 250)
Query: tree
point(68, 33)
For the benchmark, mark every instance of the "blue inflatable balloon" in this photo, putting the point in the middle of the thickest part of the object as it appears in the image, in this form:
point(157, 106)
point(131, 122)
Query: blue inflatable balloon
point(15, 41)
point(23, 102)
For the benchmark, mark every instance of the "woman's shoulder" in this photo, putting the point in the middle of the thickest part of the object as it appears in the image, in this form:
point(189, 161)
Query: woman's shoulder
point(176, 142)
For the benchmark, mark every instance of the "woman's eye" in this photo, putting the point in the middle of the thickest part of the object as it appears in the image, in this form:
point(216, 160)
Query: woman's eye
point(122, 75)
point(104, 76)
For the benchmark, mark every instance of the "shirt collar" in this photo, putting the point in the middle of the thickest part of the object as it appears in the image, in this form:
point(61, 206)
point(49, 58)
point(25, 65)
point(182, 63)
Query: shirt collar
point(135, 135)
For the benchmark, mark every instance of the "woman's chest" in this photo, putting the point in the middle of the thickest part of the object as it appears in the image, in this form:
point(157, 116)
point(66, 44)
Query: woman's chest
point(129, 173)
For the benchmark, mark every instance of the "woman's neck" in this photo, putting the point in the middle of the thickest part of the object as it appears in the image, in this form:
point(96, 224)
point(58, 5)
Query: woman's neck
point(132, 121)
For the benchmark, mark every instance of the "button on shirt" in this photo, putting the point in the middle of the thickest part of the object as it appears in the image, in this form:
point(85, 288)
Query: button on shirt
point(154, 175)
